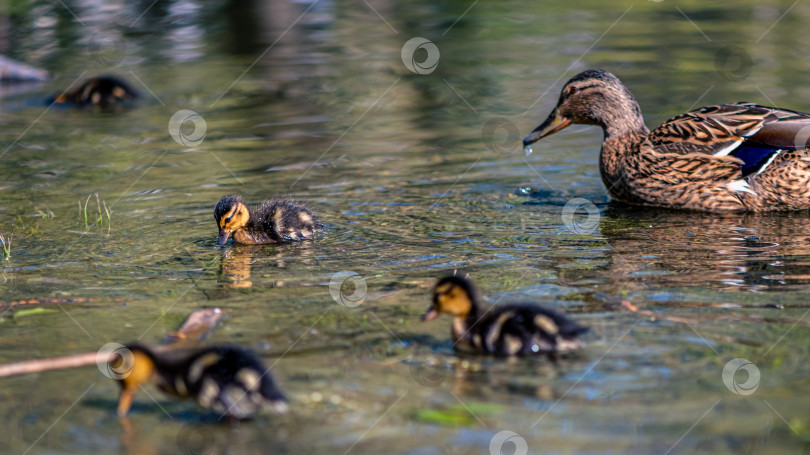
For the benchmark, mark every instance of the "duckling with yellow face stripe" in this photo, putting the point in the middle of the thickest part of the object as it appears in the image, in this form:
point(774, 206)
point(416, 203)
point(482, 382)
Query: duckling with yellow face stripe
point(227, 379)
point(275, 221)
point(503, 330)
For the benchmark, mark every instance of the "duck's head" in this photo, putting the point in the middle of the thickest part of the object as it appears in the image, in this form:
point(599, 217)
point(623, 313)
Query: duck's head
point(231, 214)
point(592, 97)
point(452, 295)
point(133, 367)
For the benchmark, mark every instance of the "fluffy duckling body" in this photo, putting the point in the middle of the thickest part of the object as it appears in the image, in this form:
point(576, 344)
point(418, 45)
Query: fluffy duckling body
point(274, 221)
point(502, 330)
point(227, 379)
point(101, 91)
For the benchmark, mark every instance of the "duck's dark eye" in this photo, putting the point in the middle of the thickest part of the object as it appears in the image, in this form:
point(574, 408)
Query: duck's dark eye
point(228, 220)
point(572, 90)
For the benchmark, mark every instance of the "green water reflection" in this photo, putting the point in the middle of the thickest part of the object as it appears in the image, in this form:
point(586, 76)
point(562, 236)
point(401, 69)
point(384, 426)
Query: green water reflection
point(413, 180)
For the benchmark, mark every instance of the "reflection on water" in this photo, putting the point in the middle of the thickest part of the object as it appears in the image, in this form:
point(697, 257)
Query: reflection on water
point(311, 100)
point(722, 252)
point(235, 267)
point(237, 262)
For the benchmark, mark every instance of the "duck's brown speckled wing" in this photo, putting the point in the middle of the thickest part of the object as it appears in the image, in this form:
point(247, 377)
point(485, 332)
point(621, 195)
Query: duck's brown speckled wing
point(673, 168)
point(755, 134)
point(720, 129)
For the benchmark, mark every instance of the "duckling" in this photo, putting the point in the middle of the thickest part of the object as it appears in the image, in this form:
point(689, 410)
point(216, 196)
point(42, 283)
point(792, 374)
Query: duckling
point(101, 91)
point(227, 379)
point(274, 221)
point(502, 330)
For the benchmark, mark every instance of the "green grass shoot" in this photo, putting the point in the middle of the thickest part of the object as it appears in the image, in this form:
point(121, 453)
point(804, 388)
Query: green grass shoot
point(5, 242)
point(101, 217)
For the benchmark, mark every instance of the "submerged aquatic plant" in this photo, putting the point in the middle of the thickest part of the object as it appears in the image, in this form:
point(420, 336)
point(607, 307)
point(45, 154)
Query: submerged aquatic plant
point(5, 242)
point(100, 219)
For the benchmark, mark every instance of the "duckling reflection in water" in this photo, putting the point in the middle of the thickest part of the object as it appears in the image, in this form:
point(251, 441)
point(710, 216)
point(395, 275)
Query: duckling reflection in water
point(226, 379)
point(237, 262)
point(236, 266)
point(502, 330)
point(275, 221)
point(102, 91)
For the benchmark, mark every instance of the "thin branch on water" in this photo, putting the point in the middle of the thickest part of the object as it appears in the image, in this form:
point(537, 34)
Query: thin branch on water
point(196, 327)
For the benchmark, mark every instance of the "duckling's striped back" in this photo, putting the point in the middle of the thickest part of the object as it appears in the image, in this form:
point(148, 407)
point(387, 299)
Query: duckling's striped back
point(284, 220)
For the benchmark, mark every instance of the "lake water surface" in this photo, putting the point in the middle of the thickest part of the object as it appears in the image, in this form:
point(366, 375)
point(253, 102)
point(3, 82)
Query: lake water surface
point(415, 176)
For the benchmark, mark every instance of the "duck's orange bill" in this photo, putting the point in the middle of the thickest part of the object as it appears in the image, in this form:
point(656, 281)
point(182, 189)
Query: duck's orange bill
point(555, 122)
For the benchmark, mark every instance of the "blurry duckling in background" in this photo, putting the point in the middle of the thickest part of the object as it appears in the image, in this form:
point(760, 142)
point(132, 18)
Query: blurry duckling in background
point(227, 379)
point(274, 221)
point(102, 91)
point(502, 330)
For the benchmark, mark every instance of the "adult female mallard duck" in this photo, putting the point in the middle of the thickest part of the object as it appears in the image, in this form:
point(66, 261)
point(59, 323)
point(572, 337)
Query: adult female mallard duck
point(275, 221)
point(227, 379)
point(503, 330)
point(718, 158)
point(101, 91)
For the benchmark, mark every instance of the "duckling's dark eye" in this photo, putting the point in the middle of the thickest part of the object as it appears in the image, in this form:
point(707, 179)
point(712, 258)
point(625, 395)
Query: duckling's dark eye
point(228, 220)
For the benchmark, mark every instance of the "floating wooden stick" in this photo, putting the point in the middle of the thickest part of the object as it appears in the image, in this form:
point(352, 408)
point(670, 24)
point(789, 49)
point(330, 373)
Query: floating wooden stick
point(57, 363)
point(196, 327)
